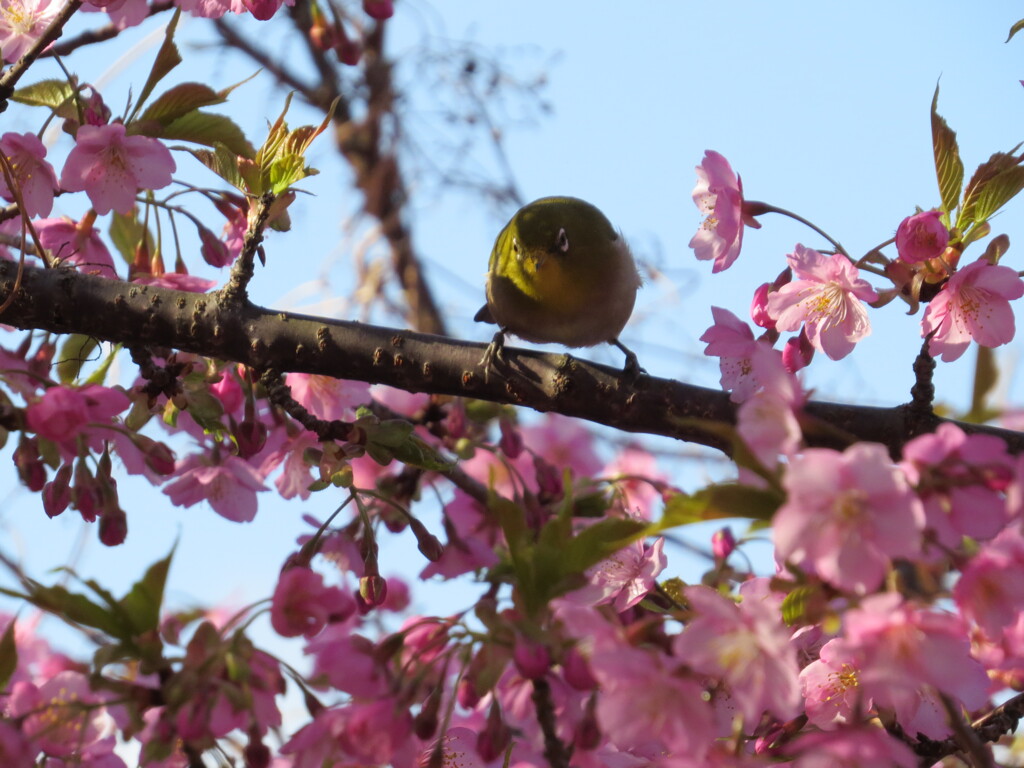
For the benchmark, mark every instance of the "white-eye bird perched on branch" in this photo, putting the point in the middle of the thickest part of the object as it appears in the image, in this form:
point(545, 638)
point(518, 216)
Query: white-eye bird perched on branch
point(560, 272)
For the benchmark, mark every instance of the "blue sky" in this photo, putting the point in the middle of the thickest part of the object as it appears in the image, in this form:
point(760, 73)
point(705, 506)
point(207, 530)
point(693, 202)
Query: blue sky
point(821, 107)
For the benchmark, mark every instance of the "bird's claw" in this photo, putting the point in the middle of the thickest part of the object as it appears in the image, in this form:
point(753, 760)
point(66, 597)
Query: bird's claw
point(495, 352)
point(631, 369)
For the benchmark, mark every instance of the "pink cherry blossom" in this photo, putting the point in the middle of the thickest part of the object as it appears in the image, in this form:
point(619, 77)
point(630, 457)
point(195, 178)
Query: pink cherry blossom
point(830, 686)
point(22, 22)
point(921, 237)
point(625, 578)
point(472, 539)
point(826, 299)
point(62, 413)
point(211, 9)
point(76, 243)
point(15, 748)
point(767, 421)
point(961, 479)
point(990, 591)
point(457, 747)
point(318, 742)
point(63, 716)
point(229, 484)
point(346, 661)
point(33, 176)
point(854, 747)
point(719, 197)
point(122, 13)
point(303, 604)
point(637, 479)
point(973, 305)
point(375, 731)
point(743, 360)
point(747, 647)
point(327, 397)
point(847, 514)
point(565, 443)
point(904, 654)
point(642, 704)
point(110, 166)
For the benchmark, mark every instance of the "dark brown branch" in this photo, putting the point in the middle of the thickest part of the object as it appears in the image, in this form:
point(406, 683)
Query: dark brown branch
point(555, 751)
point(63, 301)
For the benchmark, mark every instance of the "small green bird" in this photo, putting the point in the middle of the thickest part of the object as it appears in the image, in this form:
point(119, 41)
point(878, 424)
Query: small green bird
point(559, 272)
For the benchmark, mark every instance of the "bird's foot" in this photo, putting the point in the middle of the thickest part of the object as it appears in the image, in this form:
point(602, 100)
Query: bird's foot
point(495, 353)
point(631, 369)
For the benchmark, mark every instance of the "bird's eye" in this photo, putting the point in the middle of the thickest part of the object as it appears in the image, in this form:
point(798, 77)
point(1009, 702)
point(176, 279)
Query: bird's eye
point(563, 241)
point(515, 245)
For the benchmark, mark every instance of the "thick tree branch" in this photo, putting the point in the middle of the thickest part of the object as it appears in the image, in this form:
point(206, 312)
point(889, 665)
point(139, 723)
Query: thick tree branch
point(63, 301)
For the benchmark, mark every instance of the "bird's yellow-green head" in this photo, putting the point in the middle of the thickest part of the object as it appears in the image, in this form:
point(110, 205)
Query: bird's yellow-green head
point(560, 272)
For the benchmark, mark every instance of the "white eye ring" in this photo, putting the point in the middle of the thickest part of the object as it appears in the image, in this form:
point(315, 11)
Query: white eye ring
point(563, 240)
point(515, 244)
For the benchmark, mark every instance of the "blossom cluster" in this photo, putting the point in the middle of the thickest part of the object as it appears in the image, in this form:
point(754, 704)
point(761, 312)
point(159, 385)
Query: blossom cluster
point(888, 623)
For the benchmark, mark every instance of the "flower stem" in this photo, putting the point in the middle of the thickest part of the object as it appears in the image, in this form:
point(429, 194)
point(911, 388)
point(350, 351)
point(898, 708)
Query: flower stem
point(768, 208)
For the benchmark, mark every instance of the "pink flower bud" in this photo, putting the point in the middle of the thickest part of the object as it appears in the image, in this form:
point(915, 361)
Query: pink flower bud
point(759, 307)
point(212, 249)
point(495, 736)
point(94, 110)
point(511, 442)
point(30, 466)
point(251, 436)
point(113, 527)
point(797, 352)
point(576, 671)
point(57, 493)
point(466, 695)
point(723, 543)
point(348, 51)
point(373, 590)
point(379, 9)
point(921, 237)
point(549, 478)
point(532, 659)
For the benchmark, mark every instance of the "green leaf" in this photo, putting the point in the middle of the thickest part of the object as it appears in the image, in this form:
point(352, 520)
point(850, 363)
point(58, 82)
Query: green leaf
point(71, 606)
point(209, 130)
point(179, 101)
point(143, 601)
point(167, 58)
point(127, 232)
point(985, 174)
point(998, 192)
point(287, 170)
point(45, 93)
point(717, 502)
point(415, 452)
point(949, 168)
point(1015, 29)
point(8, 655)
point(74, 353)
point(794, 605)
